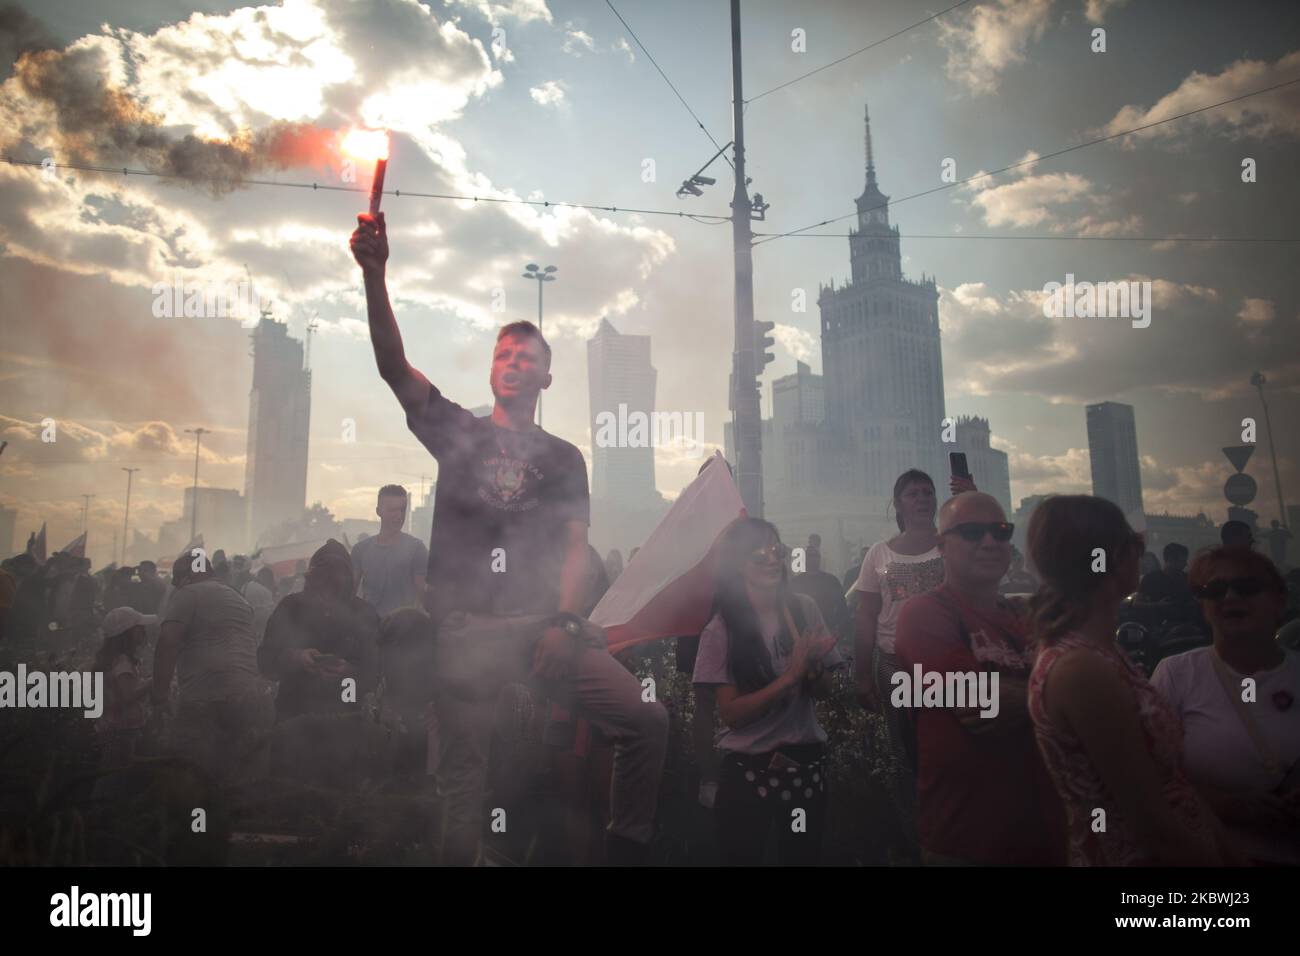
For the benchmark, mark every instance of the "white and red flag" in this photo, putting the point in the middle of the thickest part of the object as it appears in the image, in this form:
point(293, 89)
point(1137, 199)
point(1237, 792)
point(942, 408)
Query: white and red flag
point(667, 589)
point(283, 559)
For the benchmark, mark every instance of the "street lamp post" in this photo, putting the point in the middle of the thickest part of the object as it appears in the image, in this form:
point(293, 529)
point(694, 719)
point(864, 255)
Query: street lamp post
point(126, 516)
point(542, 276)
point(198, 434)
point(1259, 381)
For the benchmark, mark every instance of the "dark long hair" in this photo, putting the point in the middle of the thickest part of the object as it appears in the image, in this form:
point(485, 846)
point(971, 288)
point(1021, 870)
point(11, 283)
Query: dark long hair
point(911, 476)
point(747, 654)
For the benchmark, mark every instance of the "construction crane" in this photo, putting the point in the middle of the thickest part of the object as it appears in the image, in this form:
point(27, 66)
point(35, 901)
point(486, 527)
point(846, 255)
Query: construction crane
point(265, 311)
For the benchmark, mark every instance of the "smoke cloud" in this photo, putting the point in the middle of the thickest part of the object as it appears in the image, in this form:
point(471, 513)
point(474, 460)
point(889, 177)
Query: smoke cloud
point(20, 33)
point(96, 123)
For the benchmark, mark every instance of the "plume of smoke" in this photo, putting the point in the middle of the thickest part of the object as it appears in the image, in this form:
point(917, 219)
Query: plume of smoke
point(20, 33)
point(98, 124)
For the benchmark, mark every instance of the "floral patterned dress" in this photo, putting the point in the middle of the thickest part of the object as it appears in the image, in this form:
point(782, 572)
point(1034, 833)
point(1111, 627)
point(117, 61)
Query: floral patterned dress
point(1080, 785)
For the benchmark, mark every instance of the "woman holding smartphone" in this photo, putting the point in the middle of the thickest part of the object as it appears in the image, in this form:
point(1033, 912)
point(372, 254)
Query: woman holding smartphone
point(767, 655)
point(893, 571)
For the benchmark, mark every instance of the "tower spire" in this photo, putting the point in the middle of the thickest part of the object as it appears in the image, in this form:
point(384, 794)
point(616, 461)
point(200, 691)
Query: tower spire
point(871, 162)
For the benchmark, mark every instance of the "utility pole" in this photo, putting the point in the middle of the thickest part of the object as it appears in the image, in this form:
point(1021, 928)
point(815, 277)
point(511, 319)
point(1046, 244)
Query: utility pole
point(198, 434)
point(1259, 381)
point(126, 517)
point(746, 412)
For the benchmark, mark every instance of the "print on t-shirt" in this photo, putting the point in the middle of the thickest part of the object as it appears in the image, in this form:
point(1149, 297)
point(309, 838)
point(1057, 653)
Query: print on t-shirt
point(499, 492)
point(504, 481)
point(903, 581)
point(999, 653)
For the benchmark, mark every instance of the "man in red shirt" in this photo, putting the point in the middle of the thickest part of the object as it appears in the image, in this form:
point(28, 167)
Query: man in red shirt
point(984, 795)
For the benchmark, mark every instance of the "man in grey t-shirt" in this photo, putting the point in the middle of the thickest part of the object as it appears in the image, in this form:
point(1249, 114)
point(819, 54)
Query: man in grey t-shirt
point(224, 707)
point(391, 566)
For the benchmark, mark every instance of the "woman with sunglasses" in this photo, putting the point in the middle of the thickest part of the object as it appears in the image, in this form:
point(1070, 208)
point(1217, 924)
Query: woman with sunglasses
point(1239, 701)
point(766, 653)
point(1111, 742)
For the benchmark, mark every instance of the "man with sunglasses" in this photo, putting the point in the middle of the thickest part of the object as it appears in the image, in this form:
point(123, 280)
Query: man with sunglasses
point(984, 796)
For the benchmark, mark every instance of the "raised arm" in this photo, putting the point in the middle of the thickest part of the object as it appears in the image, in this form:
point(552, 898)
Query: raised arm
point(370, 248)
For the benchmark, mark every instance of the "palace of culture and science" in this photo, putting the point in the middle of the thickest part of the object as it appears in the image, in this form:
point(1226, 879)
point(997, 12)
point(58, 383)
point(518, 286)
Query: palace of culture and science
point(836, 441)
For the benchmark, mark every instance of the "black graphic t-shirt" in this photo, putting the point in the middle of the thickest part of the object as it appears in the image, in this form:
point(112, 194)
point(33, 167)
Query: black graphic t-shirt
point(502, 500)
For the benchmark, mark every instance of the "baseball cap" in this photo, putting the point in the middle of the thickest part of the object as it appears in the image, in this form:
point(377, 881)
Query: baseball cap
point(123, 619)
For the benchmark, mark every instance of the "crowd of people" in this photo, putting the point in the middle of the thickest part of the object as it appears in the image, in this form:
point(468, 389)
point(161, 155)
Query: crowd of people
point(1015, 729)
point(1087, 759)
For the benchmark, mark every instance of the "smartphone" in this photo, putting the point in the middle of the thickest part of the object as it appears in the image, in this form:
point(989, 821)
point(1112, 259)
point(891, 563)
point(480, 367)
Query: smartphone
point(957, 464)
point(781, 762)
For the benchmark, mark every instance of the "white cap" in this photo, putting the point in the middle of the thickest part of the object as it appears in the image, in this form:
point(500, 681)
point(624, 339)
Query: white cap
point(123, 619)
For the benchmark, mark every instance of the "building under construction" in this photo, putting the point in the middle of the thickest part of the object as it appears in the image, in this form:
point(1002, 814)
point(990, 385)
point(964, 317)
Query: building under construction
point(279, 417)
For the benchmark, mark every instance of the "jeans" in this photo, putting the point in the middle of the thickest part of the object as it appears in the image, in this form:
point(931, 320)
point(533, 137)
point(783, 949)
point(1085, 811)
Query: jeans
point(474, 655)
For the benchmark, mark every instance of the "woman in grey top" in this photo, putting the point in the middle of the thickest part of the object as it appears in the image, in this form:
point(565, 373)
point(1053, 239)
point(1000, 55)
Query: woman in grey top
point(767, 653)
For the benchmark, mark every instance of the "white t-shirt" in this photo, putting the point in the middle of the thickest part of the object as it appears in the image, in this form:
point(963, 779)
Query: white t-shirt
point(792, 722)
point(1217, 748)
point(896, 577)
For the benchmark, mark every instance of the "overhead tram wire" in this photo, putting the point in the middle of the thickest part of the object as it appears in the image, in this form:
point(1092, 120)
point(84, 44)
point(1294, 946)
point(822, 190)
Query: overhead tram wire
point(655, 64)
point(847, 56)
point(543, 203)
point(1030, 162)
point(847, 235)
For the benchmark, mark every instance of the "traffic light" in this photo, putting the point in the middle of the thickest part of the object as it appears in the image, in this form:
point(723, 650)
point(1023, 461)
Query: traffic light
point(763, 341)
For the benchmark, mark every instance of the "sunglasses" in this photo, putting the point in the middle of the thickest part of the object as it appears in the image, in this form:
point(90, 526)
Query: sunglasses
point(1217, 589)
point(773, 552)
point(974, 531)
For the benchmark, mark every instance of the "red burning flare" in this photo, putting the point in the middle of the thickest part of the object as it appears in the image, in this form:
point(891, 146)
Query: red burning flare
point(370, 144)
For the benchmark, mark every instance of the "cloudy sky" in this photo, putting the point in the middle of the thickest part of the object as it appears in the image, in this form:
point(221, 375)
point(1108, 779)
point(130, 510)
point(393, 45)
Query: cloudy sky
point(555, 100)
